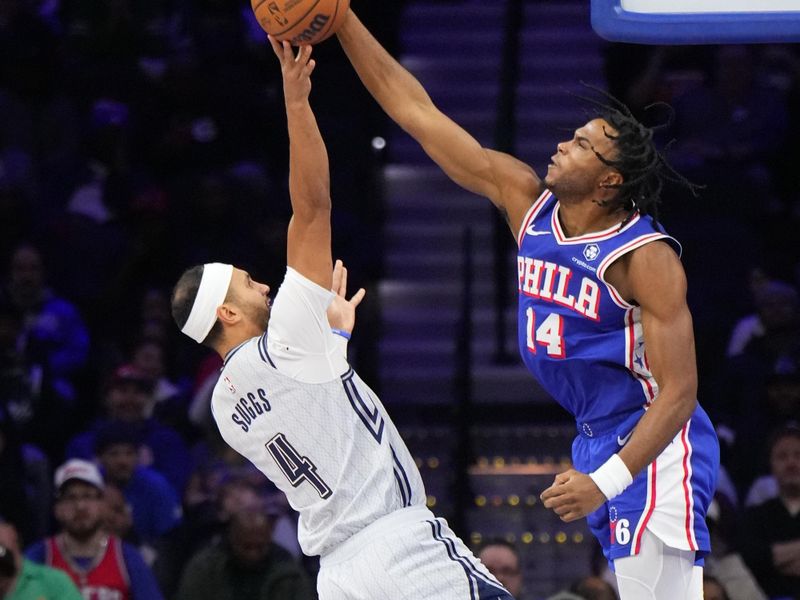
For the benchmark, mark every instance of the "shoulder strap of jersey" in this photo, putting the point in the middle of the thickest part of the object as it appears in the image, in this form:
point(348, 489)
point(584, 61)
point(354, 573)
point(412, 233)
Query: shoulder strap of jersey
point(630, 246)
point(534, 210)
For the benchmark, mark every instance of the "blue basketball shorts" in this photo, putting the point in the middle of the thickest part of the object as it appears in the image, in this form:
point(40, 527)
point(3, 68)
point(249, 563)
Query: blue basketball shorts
point(670, 497)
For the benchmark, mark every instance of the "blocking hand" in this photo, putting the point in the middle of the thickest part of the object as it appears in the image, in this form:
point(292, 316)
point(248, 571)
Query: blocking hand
point(342, 312)
point(296, 70)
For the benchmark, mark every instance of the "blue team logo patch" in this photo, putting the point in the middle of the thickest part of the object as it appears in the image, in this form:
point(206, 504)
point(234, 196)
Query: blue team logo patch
point(591, 251)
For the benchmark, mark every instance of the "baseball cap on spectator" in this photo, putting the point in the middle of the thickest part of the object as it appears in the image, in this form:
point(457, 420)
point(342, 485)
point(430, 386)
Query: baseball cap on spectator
point(113, 433)
point(76, 469)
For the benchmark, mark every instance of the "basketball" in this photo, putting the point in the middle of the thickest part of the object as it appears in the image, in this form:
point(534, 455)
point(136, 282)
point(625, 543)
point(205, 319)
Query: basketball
point(300, 22)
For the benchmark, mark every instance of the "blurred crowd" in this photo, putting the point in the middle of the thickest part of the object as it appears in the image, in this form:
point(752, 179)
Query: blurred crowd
point(136, 140)
point(140, 138)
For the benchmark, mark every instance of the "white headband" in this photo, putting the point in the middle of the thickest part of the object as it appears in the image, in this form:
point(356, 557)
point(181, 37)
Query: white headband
point(210, 295)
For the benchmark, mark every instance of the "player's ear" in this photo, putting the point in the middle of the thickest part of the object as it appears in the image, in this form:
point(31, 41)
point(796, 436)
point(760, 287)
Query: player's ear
point(611, 179)
point(228, 313)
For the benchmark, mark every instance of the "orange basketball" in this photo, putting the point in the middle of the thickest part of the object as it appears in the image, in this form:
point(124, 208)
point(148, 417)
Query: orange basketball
point(300, 21)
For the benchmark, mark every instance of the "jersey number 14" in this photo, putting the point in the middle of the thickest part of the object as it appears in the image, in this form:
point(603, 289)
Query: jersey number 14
point(549, 333)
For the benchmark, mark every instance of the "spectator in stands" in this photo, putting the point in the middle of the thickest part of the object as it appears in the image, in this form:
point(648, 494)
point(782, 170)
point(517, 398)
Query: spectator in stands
point(565, 595)
point(98, 562)
point(777, 311)
point(129, 399)
point(725, 564)
point(22, 579)
point(154, 318)
point(245, 564)
point(502, 560)
point(209, 505)
point(118, 516)
point(761, 413)
point(8, 571)
point(728, 130)
point(594, 588)
point(713, 589)
point(771, 531)
point(14, 506)
point(756, 387)
point(53, 328)
point(148, 357)
point(777, 349)
point(118, 519)
point(155, 507)
point(170, 404)
point(16, 207)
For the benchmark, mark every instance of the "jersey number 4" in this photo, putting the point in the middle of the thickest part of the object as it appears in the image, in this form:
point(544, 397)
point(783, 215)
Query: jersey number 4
point(549, 333)
point(296, 468)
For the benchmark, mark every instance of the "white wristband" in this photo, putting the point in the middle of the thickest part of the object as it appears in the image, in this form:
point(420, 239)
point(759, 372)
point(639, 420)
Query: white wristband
point(612, 477)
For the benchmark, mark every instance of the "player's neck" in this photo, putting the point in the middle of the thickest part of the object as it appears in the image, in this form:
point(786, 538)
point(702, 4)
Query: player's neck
point(580, 218)
point(234, 339)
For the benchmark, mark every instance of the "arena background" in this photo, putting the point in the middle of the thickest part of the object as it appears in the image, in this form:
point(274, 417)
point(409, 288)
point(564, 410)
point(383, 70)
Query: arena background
point(139, 138)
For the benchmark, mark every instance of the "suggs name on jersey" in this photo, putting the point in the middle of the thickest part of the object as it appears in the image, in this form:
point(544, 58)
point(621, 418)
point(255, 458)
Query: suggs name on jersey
point(249, 408)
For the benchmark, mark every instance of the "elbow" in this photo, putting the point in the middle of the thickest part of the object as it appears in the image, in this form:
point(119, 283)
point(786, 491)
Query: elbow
point(417, 115)
point(314, 211)
point(681, 396)
point(688, 399)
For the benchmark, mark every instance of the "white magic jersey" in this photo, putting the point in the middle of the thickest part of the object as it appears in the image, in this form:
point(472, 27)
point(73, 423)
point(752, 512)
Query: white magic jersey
point(289, 402)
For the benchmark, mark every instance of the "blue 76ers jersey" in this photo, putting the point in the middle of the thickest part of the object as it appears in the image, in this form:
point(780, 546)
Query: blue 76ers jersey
point(577, 335)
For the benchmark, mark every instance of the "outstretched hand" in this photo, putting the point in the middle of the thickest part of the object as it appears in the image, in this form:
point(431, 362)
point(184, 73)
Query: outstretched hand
point(342, 312)
point(296, 70)
point(573, 495)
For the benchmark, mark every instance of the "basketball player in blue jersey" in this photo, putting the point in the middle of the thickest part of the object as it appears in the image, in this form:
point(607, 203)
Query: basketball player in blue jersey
point(603, 324)
point(288, 401)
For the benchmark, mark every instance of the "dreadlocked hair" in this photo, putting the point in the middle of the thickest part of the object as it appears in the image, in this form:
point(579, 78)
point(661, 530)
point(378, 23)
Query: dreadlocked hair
point(643, 168)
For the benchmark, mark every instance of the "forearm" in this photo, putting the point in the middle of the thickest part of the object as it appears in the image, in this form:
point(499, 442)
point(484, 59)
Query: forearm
point(658, 427)
point(396, 90)
point(309, 178)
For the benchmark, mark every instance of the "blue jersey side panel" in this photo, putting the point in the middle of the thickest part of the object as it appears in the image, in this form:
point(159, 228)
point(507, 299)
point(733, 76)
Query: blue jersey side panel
point(577, 336)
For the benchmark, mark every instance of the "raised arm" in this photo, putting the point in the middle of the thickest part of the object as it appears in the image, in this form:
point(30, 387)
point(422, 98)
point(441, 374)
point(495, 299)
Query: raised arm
point(509, 183)
point(309, 237)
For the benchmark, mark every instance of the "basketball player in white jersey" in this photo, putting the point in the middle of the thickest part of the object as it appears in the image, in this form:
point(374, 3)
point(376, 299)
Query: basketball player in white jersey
point(288, 400)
